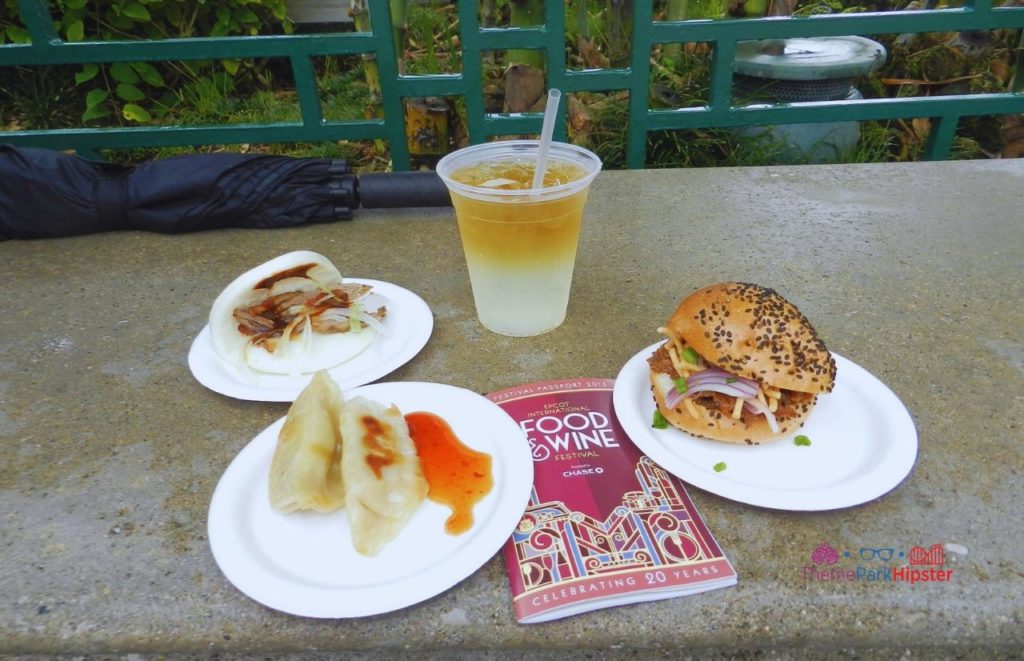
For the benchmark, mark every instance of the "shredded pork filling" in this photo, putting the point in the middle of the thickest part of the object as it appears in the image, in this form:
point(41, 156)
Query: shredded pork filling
point(275, 314)
point(784, 403)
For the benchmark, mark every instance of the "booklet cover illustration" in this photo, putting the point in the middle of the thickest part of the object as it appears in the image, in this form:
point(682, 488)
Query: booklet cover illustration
point(605, 526)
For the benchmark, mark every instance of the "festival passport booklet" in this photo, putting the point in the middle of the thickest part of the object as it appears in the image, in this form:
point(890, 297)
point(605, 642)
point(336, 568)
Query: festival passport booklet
point(605, 525)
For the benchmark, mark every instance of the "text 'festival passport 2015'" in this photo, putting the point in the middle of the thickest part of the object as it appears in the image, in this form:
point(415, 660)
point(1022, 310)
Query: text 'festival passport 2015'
point(605, 525)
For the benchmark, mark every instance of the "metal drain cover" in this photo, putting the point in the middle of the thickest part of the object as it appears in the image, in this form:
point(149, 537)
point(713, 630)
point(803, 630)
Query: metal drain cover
point(814, 58)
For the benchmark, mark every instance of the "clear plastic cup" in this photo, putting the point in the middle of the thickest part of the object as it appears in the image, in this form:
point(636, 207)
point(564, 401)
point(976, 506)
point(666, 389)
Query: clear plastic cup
point(520, 244)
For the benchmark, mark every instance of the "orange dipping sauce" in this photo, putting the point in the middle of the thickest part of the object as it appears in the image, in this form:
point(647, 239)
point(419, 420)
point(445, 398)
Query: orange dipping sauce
point(459, 477)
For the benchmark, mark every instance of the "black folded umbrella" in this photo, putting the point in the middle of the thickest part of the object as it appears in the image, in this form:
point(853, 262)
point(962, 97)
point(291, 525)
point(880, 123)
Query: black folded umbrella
point(46, 193)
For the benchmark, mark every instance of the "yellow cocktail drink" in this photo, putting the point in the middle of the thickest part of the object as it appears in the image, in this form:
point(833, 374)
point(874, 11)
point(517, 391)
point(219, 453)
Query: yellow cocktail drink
point(520, 244)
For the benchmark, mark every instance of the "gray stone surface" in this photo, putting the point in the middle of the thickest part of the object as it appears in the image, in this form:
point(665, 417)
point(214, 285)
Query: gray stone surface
point(111, 450)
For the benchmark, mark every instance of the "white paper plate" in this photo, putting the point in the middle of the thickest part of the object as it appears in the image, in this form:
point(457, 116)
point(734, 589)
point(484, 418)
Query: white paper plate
point(304, 563)
point(863, 443)
point(409, 324)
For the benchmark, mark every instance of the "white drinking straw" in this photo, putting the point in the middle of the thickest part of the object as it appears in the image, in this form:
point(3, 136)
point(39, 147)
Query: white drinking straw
point(546, 131)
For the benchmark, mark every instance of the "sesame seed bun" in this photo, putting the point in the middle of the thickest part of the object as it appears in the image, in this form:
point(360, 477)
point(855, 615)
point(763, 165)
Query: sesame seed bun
point(754, 332)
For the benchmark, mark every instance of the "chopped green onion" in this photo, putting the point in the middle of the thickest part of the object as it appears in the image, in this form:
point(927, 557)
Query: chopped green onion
point(802, 440)
point(690, 356)
point(719, 467)
point(681, 386)
point(659, 421)
point(731, 379)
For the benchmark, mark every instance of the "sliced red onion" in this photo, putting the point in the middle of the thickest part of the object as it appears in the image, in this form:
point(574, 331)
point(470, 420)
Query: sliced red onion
point(718, 380)
point(711, 372)
point(714, 380)
point(747, 387)
point(725, 389)
point(673, 396)
point(755, 406)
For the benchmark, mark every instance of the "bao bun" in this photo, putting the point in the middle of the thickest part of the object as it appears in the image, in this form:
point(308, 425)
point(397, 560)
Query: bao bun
point(316, 350)
point(749, 331)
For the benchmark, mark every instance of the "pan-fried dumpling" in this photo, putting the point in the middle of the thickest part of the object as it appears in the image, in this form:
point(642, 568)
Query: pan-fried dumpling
point(384, 481)
point(305, 472)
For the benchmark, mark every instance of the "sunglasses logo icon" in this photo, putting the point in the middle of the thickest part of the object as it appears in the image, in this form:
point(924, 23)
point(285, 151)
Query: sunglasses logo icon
point(885, 555)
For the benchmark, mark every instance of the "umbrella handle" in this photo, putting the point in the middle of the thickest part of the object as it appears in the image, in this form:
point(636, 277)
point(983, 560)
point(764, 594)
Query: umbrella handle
point(402, 189)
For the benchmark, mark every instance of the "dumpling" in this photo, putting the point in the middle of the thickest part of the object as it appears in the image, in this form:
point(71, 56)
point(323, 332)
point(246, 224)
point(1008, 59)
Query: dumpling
point(305, 473)
point(384, 483)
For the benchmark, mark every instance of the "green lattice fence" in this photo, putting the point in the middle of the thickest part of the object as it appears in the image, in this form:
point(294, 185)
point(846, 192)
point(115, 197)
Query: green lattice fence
point(301, 50)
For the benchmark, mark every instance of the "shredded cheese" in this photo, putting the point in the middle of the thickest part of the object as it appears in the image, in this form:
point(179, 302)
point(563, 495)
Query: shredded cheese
point(683, 368)
point(676, 342)
point(737, 409)
point(673, 355)
point(691, 408)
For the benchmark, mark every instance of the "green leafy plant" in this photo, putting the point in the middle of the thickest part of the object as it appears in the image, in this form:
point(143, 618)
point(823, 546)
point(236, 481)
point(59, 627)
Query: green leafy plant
point(12, 31)
point(140, 92)
point(432, 38)
point(38, 98)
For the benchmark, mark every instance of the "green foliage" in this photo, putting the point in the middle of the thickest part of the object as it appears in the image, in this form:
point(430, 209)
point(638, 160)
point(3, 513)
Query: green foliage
point(38, 97)
point(344, 91)
point(432, 39)
point(140, 92)
point(12, 31)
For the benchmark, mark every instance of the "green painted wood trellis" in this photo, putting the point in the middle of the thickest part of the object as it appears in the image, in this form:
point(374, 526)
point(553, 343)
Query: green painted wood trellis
point(47, 48)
